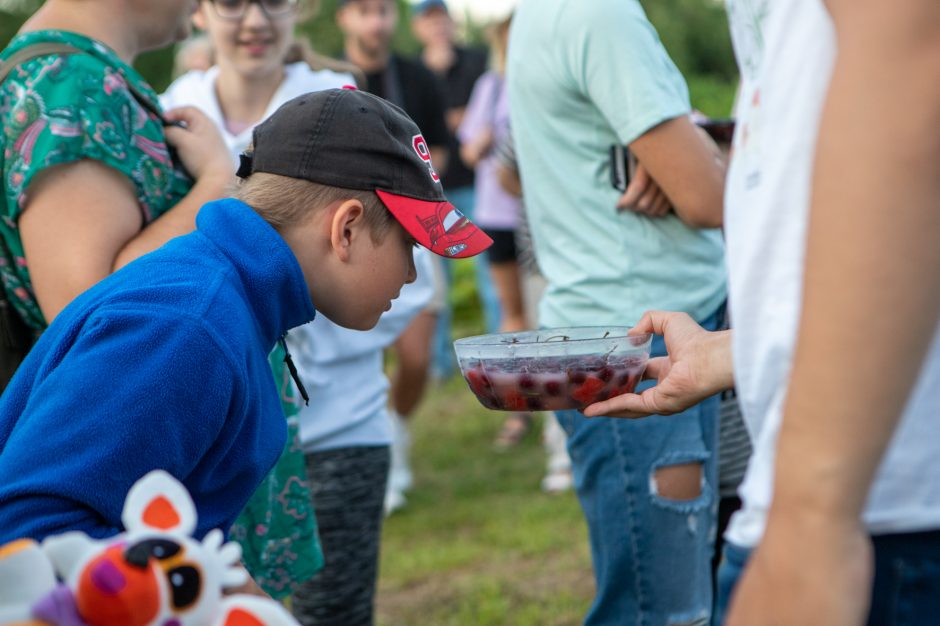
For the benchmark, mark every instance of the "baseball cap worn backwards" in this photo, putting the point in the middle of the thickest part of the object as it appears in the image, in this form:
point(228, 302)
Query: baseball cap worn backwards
point(355, 140)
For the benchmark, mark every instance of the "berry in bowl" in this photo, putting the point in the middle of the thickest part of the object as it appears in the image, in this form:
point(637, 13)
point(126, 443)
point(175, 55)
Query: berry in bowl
point(553, 369)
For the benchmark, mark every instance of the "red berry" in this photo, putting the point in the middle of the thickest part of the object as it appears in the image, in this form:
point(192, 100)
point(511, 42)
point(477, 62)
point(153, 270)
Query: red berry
point(478, 382)
point(526, 382)
point(587, 392)
point(553, 388)
point(514, 401)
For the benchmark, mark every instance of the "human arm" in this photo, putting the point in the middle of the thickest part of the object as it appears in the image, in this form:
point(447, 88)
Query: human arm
point(509, 180)
point(678, 168)
point(83, 221)
point(475, 133)
point(698, 365)
point(871, 247)
point(116, 405)
point(645, 103)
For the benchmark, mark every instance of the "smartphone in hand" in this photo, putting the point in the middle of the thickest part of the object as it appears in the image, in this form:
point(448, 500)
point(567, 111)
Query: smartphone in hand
point(622, 167)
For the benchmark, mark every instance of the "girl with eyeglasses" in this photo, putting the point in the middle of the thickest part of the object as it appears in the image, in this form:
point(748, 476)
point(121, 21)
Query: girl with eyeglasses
point(344, 438)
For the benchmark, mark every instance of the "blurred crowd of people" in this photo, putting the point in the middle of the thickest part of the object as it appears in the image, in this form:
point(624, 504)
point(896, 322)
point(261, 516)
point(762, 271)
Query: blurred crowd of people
point(826, 386)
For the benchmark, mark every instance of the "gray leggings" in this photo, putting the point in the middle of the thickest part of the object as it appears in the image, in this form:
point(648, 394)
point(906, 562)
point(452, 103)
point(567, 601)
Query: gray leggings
point(348, 486)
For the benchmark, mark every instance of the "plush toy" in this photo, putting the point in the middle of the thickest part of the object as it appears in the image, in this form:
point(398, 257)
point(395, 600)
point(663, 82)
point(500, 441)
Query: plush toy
point(154, 574)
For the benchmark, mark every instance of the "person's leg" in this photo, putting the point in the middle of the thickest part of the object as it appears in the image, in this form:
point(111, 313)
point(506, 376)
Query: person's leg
point(733, 560)
point(504, 272)
point(348, 486)
point(464, 198)
point(413, 350)
point(647, 489)
point(906, 587)
point(506, 280)
point(727, 506)
point(558, 471)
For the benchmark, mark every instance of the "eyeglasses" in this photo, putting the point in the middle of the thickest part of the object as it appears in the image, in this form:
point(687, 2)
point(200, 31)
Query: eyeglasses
point(236, 9)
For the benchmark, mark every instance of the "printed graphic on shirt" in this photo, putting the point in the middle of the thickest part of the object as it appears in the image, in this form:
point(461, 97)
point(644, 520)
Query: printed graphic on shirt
point(747, 19)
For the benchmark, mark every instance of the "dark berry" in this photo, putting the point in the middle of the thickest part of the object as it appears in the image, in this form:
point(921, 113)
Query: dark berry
point(553, 388)
point(526, 382)
point(534, 403)
point(577, 377)
point(605, 374)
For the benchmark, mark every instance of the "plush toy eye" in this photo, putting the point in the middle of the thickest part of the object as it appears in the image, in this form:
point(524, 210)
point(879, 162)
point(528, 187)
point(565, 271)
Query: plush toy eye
point(161, 549)
point(185, 585)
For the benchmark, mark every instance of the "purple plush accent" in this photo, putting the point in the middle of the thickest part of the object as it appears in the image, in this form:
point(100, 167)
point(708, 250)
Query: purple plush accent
point(108, 578)
point(58, 608)
point(172, 622)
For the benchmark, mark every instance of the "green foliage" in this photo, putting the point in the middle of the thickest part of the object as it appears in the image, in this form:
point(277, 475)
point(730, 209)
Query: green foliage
point(695, 32)
point(712, 95)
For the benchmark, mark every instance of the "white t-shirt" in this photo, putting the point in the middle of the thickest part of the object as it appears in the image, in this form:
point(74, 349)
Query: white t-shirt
point(342, 369)
point(197, 88)
point(786, 51)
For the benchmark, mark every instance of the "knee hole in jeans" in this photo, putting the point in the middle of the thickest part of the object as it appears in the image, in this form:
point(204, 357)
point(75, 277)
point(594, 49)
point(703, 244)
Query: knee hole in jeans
point(680, 482)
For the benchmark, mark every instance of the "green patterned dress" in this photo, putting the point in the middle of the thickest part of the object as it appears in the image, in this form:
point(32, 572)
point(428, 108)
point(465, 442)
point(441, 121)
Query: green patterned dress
point(59, 109)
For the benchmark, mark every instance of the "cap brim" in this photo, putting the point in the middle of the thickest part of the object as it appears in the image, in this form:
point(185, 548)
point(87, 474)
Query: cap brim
point(438, 226)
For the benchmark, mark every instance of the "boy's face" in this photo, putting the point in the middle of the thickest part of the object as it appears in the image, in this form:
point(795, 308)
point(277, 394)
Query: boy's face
point(389, 265)
point(369, 24)
point(352, 278)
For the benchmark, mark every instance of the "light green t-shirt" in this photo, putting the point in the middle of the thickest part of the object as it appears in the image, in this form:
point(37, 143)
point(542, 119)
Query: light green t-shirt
point(583, 76)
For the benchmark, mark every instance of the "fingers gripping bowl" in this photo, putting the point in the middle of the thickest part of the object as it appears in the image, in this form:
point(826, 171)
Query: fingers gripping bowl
point(553, 369)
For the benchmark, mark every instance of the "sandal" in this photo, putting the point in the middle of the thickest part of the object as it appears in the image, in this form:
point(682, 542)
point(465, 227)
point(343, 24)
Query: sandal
point(514, 430)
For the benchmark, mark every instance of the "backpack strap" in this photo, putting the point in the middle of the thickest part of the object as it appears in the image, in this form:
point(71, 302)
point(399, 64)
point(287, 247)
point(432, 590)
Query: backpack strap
point(46, 48)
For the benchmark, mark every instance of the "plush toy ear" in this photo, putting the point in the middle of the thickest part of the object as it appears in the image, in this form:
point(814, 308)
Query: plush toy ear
point(158, 502)
point(68, 551)
point(245, 610)
point(26, 575)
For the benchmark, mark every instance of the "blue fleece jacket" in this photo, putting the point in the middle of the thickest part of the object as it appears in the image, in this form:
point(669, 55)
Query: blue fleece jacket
point(161, 365)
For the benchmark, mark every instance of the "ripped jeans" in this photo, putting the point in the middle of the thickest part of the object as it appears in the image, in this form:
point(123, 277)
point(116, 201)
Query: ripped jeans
point(651, 555)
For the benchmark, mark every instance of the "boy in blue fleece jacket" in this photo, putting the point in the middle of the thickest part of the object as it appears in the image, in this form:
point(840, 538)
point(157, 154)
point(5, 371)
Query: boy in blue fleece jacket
point(164, 363)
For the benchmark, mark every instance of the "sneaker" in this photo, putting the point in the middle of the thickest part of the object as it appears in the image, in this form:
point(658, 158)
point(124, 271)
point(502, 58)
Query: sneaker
point(394, 501)
point(399, 472)
point(557, 481)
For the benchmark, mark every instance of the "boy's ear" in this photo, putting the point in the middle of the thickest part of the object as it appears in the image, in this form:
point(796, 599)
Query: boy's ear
point(347, 222)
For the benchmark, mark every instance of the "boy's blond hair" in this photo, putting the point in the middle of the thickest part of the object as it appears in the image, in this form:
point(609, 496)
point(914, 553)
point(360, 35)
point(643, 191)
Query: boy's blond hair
point(284, 202)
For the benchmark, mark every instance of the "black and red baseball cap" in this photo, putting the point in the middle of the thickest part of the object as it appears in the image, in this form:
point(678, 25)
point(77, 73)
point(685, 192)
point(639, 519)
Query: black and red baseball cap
point(355, 140)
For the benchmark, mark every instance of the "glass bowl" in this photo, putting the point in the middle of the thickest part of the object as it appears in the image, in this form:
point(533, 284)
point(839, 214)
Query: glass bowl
point(552, 369)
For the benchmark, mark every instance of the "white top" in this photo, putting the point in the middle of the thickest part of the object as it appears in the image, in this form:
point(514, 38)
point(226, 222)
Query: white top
point(197, 88)
point(342, 369)
point(786, 51)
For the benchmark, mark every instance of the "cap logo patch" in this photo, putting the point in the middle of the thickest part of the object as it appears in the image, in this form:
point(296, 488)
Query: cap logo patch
point(421, 147)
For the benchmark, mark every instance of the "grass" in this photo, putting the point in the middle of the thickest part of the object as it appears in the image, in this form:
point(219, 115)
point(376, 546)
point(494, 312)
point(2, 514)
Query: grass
point(479, 544)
